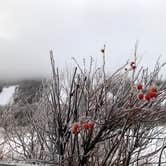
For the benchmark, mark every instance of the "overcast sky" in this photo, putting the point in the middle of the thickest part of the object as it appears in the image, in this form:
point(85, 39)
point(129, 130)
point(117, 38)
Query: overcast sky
point(78, 28)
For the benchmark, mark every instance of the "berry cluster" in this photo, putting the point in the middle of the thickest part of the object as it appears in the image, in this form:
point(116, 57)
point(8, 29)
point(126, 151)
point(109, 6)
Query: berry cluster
point(75, 127)
point(86, 125)
point(152, 93)
point(132, 66)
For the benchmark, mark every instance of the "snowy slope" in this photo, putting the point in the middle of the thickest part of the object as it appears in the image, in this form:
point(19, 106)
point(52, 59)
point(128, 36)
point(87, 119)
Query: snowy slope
point(7, 94)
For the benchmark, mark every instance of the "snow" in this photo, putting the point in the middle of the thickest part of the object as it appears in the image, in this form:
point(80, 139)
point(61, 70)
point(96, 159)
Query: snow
point(6, 95)
point(158, 135)
point(7, 146)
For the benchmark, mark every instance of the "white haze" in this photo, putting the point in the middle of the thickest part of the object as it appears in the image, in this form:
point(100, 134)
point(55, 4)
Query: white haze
point(77, 28)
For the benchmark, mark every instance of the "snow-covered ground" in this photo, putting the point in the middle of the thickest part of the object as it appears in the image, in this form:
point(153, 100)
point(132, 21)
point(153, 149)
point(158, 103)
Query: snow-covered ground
point(7, 146)
point(12, 149)
point(3, 163)
point(7, 94)
point(156, 142)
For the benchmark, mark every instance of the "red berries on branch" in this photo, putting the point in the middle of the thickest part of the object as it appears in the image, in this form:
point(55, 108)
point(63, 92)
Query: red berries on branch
point(150, 94)
point(139, 86)
point(133, 65)
point(147, 96)
point(140, 96)
point(75, 128)
point(153, 89)
point(86, 125)
point(91, 125)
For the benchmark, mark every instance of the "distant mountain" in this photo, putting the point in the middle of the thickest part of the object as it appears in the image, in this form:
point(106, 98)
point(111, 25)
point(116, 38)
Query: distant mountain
point(21, 92)
point(18, 97)
point(27, 91)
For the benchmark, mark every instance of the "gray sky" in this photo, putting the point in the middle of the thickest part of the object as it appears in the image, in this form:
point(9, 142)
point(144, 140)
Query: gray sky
point(78, 28)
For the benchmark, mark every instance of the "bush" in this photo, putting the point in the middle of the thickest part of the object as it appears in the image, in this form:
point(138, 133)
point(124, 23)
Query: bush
point(96, 119)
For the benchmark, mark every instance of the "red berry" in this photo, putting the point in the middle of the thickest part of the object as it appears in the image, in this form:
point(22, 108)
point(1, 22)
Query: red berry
point(153, 89)
point(140, 96)
point(133, 67)
point(75, 128)
point(139, 86)
point(91, 125)
point(85, 125)
point(76, 125)
point(147, 96)
point(132, 63)
point(152, 94)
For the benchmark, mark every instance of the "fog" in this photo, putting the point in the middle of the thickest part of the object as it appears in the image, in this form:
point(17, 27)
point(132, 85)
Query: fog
point(78, 28)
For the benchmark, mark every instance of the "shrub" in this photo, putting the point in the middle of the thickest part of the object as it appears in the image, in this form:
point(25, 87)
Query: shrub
point(97, 119)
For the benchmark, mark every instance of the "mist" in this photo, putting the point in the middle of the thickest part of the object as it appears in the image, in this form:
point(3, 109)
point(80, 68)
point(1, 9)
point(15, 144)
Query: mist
point(77, 28)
